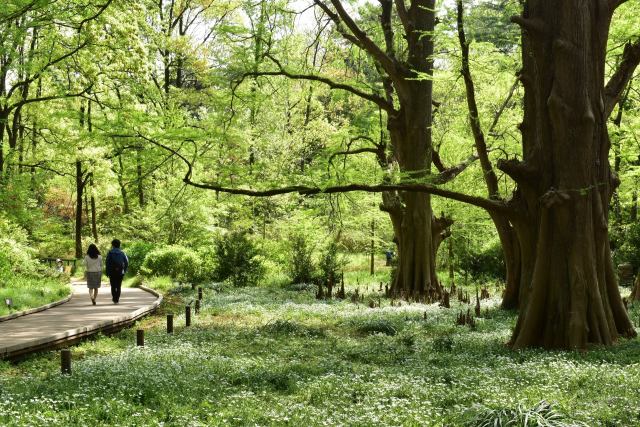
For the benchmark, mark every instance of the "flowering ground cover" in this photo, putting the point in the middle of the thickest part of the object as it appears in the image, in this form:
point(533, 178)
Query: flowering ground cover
point(276, 356)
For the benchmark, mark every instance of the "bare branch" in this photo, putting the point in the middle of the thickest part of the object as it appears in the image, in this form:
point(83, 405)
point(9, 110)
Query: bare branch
point(96, 15)
point(490, 205)
point(390, 66)
point(490, 177)
point(403, 14)
point(620, 79)
point(379, 101)
point(449, 174)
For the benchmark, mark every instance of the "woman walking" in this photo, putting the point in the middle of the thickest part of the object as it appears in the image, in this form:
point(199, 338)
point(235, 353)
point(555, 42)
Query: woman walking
point(93, 269)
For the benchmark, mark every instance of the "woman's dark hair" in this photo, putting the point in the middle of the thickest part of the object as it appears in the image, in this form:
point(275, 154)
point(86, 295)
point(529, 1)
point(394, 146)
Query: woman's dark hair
point(93, 251)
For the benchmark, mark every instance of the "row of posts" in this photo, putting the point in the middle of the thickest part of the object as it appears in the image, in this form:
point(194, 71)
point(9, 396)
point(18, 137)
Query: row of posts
point(65, 354)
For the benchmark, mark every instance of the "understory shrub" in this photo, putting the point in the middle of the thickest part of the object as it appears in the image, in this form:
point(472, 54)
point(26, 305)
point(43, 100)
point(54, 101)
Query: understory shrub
point(16, 257)
point(487, 263)
point(301, 268)
point(238, 260)
point(137, 252)
point(331, 263)
point(173, 261)
point(625, 241)
point(376, 326)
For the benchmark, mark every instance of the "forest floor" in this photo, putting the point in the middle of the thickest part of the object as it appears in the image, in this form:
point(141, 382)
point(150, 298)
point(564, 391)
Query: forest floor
point(277, 356)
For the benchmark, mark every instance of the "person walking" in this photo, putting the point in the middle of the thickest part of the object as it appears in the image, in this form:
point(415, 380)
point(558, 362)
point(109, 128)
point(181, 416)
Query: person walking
point(93, 271)
point(117, 264)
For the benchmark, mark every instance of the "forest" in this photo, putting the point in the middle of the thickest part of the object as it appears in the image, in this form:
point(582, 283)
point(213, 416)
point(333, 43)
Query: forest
point(400, 212)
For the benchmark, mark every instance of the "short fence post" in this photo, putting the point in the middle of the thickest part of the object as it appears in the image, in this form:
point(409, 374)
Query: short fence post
point(169, 323)
point(197, 306)
point(65, 361)
point(140, 337)
point(187, 315)
point(199, 293)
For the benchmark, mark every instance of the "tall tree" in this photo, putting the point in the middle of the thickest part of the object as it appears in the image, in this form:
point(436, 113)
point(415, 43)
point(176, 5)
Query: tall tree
point(564, 180)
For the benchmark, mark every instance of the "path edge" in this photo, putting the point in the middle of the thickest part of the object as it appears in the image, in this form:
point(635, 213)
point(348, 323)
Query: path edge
point(71, 335)
point(36, 309)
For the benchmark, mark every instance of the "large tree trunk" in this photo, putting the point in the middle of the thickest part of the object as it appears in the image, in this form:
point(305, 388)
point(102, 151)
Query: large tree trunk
point(566, 180)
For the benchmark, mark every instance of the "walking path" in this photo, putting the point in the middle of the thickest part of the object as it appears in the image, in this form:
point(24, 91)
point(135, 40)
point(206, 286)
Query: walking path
point(73, 320)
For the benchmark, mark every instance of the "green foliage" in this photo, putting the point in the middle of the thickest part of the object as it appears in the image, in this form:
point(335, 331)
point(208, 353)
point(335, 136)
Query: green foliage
point(287, 327)
point(626, 241)
point(238, 260)
point(331, 263)
point(376, 326)
point(488, 262)
point(30, 291)
point(173, 261)
point(137, 252)
point(16, 257)
point(301, 267)
point(540, 415)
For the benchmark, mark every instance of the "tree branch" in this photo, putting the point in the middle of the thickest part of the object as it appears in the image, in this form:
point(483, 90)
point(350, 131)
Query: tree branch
point(379, 101)
point(490, 177)
point(47, 98)
point(390, 66)
point(447, 175)
point(490, 205)
point(620, 79)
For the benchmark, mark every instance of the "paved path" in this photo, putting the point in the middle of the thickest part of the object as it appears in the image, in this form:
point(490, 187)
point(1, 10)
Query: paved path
point(73, 319)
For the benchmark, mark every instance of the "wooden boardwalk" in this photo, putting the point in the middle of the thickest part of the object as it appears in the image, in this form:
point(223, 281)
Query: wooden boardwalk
point(74, 320)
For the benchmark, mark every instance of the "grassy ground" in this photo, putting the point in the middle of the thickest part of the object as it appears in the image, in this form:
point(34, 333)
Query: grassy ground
point(274, 356)
point(29, 292)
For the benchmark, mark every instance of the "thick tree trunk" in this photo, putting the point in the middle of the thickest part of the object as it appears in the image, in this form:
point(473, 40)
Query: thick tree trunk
point(566, 179)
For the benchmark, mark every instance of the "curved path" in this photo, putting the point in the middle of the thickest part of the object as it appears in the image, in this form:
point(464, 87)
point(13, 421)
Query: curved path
point(74, 320)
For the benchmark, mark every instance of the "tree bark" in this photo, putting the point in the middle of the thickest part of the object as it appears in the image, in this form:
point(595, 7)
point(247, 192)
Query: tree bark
point(94, 225)
point(79, 194)
point(565, 180)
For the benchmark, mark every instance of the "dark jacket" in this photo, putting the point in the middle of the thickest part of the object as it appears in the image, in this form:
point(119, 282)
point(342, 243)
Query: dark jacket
point(117, 262)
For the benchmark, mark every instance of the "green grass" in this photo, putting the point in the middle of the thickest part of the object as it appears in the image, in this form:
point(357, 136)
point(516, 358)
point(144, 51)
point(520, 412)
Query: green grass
point(272, 356)
point(31, 291)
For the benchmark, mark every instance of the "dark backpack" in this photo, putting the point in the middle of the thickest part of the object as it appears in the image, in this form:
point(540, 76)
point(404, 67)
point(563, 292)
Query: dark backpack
point(116, 265)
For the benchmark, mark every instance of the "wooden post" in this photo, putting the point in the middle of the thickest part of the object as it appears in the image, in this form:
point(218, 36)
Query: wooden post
point(65, 361)
point(140, 337)
point(169, 323)
point(187, 315)
point(199, 293)
point(197, 306)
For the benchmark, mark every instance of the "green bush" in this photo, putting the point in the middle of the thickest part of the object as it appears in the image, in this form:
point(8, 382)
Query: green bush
point(175, 261)
point(237, 260)
point(331, 263)
point(487, 263)
point(626, 243)
point(16, 257)
point(137, 252)
point(301, 268)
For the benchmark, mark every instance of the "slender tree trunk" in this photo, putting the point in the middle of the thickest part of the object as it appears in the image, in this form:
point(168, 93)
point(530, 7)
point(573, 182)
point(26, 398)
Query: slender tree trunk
point(94, 225)
point(140, 179)
point(79, 194)
point(123, 188)
point(373, 247)
point(634, 205)
point(573, 299)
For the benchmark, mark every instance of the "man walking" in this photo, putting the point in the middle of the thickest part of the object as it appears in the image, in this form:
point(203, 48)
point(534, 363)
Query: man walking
point(116, 266)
